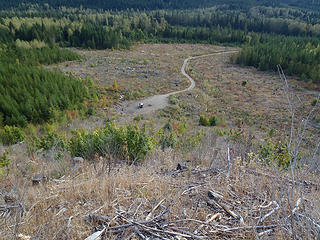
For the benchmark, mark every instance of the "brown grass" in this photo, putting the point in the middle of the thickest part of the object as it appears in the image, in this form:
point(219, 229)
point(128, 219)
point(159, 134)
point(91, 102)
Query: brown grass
point(59, 209)
point(147, 68)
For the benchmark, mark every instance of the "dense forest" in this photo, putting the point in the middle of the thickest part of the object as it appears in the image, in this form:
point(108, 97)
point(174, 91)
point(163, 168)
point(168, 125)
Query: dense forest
point(29, 93)
point(33, 33)
point(166, 4)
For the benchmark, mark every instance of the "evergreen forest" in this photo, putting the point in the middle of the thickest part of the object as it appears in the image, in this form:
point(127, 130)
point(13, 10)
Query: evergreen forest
point(35, 33)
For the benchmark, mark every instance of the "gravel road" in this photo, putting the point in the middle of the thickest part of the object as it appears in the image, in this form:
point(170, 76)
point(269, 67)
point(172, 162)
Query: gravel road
point(156, 102)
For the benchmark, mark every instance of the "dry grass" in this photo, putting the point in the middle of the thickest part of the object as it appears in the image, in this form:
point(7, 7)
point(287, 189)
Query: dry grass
point(59, 209)
point(261, 103)
point(147, 69)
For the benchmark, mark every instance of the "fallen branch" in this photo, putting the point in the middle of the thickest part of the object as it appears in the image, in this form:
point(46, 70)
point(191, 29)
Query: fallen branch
point(154, 209)
point(244, 228)
point(96, 236)
point(271, 212)
point(227, 210)
point(155, 229)
point(305, 183)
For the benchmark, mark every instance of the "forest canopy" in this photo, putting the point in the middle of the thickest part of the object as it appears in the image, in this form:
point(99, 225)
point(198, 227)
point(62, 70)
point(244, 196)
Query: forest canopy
point(37, 32)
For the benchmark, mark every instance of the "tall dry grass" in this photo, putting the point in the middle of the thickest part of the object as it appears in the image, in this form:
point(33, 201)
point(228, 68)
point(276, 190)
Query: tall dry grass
point(59, 208)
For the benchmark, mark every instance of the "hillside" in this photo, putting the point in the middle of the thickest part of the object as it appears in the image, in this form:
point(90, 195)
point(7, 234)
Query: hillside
point(225, 145)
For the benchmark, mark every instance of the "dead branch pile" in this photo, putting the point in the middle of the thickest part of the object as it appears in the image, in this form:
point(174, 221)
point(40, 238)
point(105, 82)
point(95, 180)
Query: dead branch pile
point(233, 211)
point(170, 203)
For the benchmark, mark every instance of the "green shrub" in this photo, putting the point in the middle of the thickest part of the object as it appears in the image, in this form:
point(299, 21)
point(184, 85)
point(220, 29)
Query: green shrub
point(128, 142)
point(173, 99)
point(90, 111)
point(11, 135)
point(168, 126)
point(138, 118)
point(50, 141)
point(138, 143)
point(213, 120)
point(169, 140)
point(314, 102)
point(204, 121)
point(276, 153)
point(244, 83)
point(4, 163)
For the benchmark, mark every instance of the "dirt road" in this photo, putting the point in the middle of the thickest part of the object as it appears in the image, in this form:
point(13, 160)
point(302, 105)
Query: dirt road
point(161, 101)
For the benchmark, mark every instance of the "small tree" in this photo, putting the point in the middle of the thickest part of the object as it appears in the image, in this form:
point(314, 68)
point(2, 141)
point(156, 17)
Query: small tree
point(213, 120)
point(204, 121)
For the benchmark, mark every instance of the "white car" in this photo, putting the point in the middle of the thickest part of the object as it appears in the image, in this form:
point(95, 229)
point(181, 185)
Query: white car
point(140, 105)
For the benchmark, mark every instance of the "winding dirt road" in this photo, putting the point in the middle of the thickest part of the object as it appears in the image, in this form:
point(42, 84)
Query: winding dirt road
point(156, 102)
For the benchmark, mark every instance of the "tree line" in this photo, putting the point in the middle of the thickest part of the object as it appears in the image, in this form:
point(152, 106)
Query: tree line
point(269, 36)
point(298, 56)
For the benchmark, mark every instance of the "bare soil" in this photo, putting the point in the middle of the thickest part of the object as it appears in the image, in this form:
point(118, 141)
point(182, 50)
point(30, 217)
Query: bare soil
point(145, 70)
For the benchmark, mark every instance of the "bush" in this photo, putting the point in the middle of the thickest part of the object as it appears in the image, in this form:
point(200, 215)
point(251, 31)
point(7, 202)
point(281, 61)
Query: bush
point(314, 102)
point(213, 120)
point(4, 163)
point(173, 100)
point(11, 135)
point(169, 140)
point(129, 142)
point(276, 153)
point(138, 118)
point(204, 121)
point(90, 111)
point(50, 141)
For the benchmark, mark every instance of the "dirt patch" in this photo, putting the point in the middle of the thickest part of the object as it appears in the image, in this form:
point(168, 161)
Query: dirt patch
point(143, 71)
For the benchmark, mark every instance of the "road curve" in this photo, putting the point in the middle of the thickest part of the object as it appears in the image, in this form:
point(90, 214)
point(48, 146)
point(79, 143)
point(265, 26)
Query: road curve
point(183, 70)
point(161, 101)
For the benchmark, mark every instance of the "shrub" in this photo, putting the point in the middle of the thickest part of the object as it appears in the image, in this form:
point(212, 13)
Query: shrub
point(204, 121)
point(138, 118)
point(169, 140)
point(4, 163)
point(50, 141)
point(90, 111)
point(128, 142)
point(173, 99)
point(11, 135)
point(213, 120)
point(244, 83)
point(314, 102)
point(138, 143)
point(276, 153)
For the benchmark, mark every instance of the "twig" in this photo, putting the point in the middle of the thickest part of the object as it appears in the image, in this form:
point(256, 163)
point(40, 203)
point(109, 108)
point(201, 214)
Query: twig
point(189, 189)
point(265, 232)
point(214, 217)
point(227, 210)
point(244, 227)
point(188, 233)
point(96, 235)
point(154, 209)
point(137, 231)
point(271, 212)
point(132, 224)
point(305, 183)
point(155, 229)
